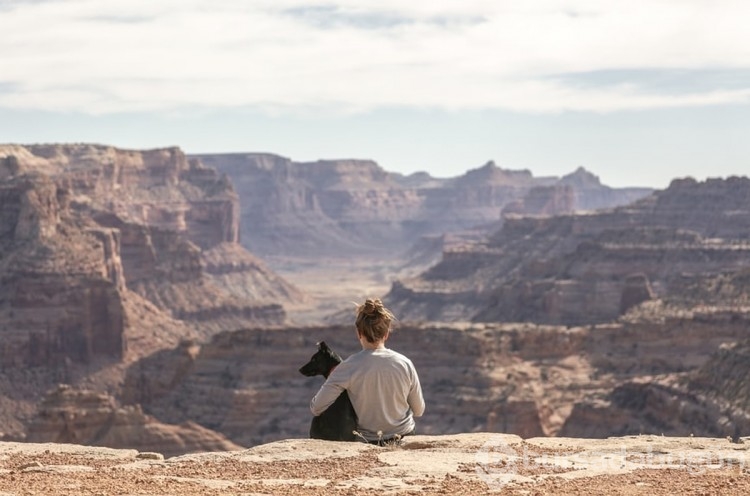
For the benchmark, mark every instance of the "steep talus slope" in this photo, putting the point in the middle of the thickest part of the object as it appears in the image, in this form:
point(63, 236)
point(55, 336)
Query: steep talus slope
point(348, 207)
point(726, 376)
point(706, 397)
point(584, 268)
point(233, 268)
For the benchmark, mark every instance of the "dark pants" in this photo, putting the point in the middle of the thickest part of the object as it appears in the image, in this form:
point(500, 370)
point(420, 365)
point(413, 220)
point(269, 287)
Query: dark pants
point(391, 440)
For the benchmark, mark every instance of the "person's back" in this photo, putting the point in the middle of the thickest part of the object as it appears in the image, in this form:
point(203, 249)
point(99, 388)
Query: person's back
point(383, 385)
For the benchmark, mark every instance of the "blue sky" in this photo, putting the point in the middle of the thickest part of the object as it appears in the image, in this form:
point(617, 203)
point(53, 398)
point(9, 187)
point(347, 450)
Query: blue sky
point(638, 92)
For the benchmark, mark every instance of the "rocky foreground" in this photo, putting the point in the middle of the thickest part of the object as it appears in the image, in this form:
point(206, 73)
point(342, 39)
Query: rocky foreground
point(457, 464)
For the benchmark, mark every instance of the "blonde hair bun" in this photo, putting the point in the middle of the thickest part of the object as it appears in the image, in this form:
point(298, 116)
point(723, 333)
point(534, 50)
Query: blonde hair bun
point(373, 320)
point(372, 307)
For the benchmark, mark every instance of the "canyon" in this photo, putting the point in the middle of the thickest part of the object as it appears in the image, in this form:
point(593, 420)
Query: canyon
point(526, 379)
point(593, 268)
point(344, 208)
point(175, 296)
point(91, 227)
point(107, 255)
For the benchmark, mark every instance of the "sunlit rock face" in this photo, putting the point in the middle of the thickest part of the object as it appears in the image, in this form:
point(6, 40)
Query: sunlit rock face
point(62, 280)
point(85, 227)
point(578, 269)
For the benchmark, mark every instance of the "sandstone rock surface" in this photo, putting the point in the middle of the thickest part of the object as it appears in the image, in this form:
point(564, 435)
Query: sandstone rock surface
point(465, 464)
point(62, 281)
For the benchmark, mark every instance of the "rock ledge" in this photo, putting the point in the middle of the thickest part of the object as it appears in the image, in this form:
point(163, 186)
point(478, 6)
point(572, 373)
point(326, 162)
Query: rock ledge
point(453, 464)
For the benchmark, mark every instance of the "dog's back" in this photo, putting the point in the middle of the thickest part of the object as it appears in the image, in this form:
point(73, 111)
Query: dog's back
point(339, 421)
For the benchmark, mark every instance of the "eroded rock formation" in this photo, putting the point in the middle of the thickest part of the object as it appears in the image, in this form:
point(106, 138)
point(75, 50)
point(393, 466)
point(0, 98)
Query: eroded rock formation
point(578, 269)
point(709, 401)
point(72, 416)
point(61, 280)
point(83, 224)
point(519, 378)
point(114, 260)
point(107, 255)
point(346, 207)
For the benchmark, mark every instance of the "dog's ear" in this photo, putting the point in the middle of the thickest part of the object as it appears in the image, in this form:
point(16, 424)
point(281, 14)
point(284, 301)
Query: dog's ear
point(322, 346)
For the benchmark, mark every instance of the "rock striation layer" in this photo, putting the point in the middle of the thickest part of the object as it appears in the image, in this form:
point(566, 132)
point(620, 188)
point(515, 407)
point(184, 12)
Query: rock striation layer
point(344, 207)
point(711, 400)
point(61, 281)
point(523, 379)
point(590, 268)
point(107, 255)
point(83, 225)
point(72, 416)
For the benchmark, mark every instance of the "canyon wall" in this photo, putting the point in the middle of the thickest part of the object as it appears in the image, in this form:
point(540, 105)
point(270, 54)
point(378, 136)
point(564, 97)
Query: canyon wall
point(85, 224)
point(61, 282)
point(349, 208)
point(78, 416)
point(523, 379)
point(590, 268)
point(709, 400)
point(117, 263)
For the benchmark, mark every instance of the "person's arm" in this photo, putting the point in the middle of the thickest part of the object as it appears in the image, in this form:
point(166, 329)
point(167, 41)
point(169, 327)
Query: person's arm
point(328, 392)
point(415, 398)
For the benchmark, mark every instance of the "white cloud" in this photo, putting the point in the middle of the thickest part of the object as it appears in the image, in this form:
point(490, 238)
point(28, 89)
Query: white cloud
point(101, 56)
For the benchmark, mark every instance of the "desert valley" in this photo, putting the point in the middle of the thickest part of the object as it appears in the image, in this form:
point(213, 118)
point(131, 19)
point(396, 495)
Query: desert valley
point(162, 302)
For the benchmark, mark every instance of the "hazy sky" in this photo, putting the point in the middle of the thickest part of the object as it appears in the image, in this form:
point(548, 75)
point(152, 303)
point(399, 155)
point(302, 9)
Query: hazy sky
point(636, 91)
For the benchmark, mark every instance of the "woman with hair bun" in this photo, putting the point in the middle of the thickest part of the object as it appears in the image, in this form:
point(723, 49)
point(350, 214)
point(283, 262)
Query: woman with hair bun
point(383, 385)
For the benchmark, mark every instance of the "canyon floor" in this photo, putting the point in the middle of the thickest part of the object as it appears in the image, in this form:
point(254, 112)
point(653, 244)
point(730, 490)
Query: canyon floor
point(335, 286)
point(462, 464)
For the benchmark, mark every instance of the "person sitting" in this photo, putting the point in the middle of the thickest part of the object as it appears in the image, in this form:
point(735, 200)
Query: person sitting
point(383, 385)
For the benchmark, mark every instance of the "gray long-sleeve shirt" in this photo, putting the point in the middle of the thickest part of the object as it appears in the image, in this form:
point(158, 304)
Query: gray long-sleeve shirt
point(383, 387)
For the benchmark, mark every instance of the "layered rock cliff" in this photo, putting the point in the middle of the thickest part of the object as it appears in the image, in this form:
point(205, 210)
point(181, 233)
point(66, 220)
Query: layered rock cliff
point(587, 268)
point(107, 255)
point(516, 378)
point(158, 222)
point(711, 400)
point(71, 416)
point(350, 207)
point(114, 260)
point(62, 284)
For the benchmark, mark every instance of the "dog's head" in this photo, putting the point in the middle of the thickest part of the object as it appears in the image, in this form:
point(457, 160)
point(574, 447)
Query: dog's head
point(322, 362)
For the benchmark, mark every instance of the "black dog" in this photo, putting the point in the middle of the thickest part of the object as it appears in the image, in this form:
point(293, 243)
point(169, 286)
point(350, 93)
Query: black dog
point(339, 420)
